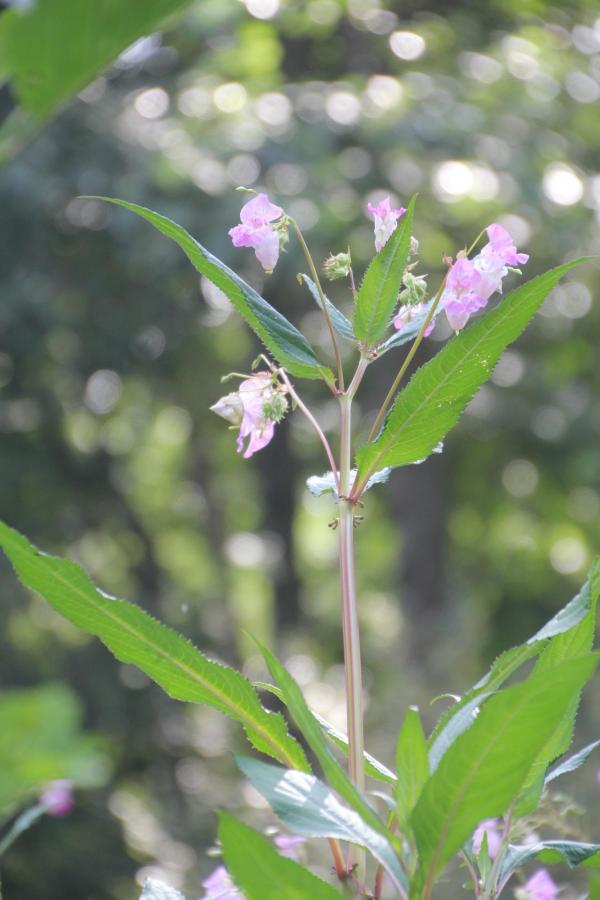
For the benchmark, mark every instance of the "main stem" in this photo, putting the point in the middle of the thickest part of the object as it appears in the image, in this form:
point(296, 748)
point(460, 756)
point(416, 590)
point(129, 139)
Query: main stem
point(350, 626)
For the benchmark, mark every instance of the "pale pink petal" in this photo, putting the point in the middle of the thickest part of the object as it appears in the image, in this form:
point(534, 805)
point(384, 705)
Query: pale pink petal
point(490, 828)
point(289, 845)
point(385, 220)
point(242, 236)
point(259, 211)
point(219, 886)
point(57, 797)
point(541, 886)
point(266, 248)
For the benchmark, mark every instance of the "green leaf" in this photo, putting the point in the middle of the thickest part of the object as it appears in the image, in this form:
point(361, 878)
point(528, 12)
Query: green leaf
point(309, 808)
point(574, 853)
point(485, 768)
point(312, 733)
point(340, 322)
point(412, 765)
point(378, 294)
point(58, 46)
point(432, 402)
point(259, 870)
point(135, 637)
point(572, 763)
point(280, 337)
point(373, 767)
point(410, 331)
point(569, 617)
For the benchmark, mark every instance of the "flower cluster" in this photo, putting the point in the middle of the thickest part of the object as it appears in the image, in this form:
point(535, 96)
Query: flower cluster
point(471, 282)
point(256, 407)
point(257, 231)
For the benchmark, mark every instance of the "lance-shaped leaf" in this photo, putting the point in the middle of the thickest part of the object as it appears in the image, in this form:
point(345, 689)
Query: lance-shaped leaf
point(280, 337)
point(432, 402)
point(577, 610)
point(312, 733)
point(412, 765)
point(484, 770)
point(135, 637)
point(574, 853)
point(572, 763)
point(309, 808)
point(340, 322)
point(378, 293)
point(259, 870)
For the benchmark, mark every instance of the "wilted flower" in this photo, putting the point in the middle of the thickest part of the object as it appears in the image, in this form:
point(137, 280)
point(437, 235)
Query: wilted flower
point(219, 886)
point(385, 219)
point(471, 282)
point(490, 828)
point(289, 845)
point(57, 798)
point(256, 407)
point(337, 266)
point(539, 887)
point(256, 230)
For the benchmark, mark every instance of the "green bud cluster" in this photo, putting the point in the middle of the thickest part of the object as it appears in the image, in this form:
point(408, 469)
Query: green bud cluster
point(337, 266)
point(415, 290)
point(275, 407)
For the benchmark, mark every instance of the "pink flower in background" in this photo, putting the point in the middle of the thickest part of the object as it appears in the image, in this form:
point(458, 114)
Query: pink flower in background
point(219, 886)
point(539, 887)
point(385, 219)
point(256, 231)
point(289, 845)
point(491, 828)
point(408, 313)
point(256, 407)
point(471, 282)
point(57, 797)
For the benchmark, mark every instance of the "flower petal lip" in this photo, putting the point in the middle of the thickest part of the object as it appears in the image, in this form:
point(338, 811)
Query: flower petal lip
point(259, 210)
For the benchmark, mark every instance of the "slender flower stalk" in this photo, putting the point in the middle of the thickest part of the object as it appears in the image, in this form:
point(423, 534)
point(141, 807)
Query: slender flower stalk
point(315, 277)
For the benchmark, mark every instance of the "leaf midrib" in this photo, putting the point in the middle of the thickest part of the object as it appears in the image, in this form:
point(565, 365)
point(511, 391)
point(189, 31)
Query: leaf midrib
point(195, 676)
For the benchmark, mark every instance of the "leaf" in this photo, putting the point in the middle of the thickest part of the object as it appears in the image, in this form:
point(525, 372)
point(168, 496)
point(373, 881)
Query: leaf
point(378, 293)
point(373, 767)
point(412, 765)
point(574, 853)
point(410, 331)
point(312, 733)
point(58, 46)
point(135, 637)
point(572, 763)
point(325, 484)
point(432, 402)
point(508, 662)
point(340, 322)
point(158, 890)
point(279, 336)
point(484, 769)
point(259, 870)
point(309, 808)
point(464, 717)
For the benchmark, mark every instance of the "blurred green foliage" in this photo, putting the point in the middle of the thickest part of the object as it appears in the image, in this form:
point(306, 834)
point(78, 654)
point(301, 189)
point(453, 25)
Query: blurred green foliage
point(112, 350)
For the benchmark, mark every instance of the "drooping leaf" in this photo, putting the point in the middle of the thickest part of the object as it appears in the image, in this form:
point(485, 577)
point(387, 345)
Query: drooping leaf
point(261, 872)
point(279, 336)
point(312, 733)
point(378, 293)
point(309, 808)
point(340, 322)
point(412, 765)
point(432, 402)
point(572, 763)
point(485, 768)
point(325, 484)
point(574, 853)
point(569, 617)
point(158, 890)
point(135, 637)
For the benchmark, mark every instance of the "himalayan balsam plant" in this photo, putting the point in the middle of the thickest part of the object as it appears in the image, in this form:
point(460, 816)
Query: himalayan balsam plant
point(473, 788)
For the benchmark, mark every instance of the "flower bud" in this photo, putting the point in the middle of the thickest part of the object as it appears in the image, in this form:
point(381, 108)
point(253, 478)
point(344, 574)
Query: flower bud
point(337, 266)
point(230, 408)
point(414, 246)
point(415, 289)
point(57, 798)
point(275, 406)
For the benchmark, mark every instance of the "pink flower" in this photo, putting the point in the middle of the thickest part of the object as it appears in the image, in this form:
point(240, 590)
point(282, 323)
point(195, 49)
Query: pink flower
point(491, 828)
point(385, 220)
point(256, 407)
point(407, 314)
point(219, 886)
point(289, 845)
point(539, 887)
point(471, 283)
point(256, 231)
point(58, 798)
